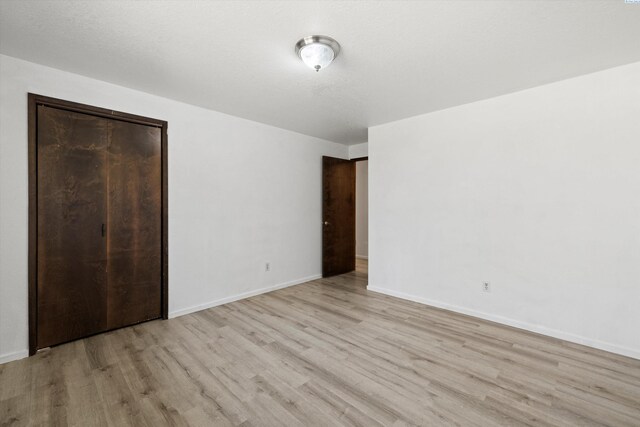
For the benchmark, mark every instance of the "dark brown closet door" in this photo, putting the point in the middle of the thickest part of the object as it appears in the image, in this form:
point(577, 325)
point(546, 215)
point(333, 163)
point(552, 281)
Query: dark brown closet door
point(71, 267)
point(134, 226)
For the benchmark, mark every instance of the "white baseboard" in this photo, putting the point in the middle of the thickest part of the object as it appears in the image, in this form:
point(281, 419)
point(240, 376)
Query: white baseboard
point(578, 339)
point(16, 355)
point(226, 300)
point(362, 256)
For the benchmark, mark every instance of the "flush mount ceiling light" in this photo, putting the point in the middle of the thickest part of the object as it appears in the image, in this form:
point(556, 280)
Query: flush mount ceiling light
point(317, 51)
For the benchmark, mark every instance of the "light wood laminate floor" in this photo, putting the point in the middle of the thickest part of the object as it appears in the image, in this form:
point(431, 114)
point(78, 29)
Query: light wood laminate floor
point(327, 352)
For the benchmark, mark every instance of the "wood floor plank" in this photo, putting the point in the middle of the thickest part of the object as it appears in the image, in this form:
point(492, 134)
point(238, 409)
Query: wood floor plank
point(327, 352)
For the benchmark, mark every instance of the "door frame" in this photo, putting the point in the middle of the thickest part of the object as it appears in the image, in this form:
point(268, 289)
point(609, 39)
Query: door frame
point(360, 159)
point(34, 100)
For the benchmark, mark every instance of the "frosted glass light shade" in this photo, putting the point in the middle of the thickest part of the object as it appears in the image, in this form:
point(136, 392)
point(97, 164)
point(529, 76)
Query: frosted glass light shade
point(317, 55)
point(317, 52)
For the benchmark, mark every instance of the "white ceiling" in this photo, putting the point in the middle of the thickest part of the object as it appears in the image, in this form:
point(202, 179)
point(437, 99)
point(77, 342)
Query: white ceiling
point(398, 58)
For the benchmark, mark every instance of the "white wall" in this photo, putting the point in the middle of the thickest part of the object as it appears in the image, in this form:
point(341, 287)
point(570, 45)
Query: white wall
point(362, 209)
point(240, 194)
point(537, 192)
point(358, 150)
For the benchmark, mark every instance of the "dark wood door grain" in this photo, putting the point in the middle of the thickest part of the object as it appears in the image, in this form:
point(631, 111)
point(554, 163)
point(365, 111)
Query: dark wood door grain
point(71, 251)
point(134, 226)
point(339, 216)
point(98, 220)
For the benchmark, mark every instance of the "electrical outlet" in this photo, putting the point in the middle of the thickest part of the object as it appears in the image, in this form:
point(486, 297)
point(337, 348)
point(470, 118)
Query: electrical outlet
point(486, 287)
point(267, 267)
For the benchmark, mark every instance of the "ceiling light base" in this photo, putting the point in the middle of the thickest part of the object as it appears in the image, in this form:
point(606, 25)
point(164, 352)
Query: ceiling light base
point(317, 52)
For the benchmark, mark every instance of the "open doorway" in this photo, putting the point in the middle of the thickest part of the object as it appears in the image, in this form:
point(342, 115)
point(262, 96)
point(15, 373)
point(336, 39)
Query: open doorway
point(339, 211)
point(362, 216)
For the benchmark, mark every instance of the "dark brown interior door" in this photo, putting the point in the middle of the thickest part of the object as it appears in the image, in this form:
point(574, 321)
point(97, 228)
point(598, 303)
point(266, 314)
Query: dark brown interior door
point(72, 251)
point(339, 216)
point(134, 226)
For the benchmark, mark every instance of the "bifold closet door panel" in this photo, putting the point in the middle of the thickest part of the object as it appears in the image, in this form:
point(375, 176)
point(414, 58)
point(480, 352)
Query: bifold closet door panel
point(71, 248)
point(134, 226)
